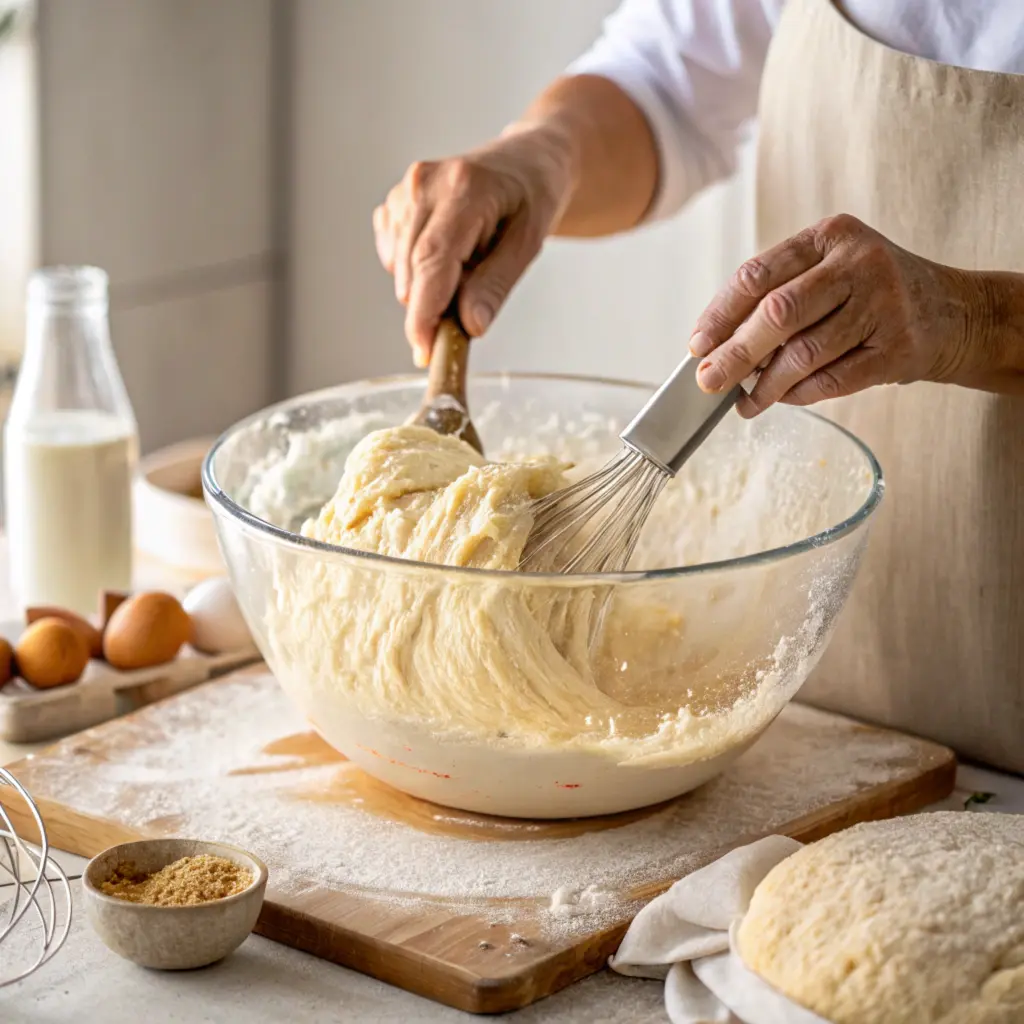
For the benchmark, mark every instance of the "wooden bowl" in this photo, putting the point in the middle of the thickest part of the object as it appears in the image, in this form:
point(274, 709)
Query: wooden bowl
point(171, 522)
point(172, 938)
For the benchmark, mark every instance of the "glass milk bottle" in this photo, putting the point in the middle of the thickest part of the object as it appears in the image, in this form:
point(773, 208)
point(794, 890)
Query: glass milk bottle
point(70, 446)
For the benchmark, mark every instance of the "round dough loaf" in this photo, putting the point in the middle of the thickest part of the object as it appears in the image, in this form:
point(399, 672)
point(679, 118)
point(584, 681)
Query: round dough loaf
point(916, 920)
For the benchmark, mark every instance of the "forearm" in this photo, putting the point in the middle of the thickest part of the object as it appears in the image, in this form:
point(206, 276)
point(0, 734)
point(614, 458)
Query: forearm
point(593, 124)
point(997, 330)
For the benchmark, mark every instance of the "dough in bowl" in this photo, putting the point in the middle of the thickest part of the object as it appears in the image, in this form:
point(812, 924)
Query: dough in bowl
point(496, 660)
point(480, 688)
point(917, 920)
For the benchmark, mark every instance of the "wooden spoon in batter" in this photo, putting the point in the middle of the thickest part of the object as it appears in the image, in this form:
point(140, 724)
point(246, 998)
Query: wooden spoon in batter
point(445, 408)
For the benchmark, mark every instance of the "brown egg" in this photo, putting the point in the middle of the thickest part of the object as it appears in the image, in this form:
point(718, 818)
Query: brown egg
point(90, 634)
point(6, 662)
point(51, 653)
point(147, 629)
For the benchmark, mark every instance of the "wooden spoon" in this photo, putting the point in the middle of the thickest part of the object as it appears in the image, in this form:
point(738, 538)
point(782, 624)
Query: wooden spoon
point(445, 408)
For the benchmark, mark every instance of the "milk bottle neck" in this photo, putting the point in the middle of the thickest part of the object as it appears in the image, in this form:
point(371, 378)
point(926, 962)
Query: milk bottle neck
point(69, 362)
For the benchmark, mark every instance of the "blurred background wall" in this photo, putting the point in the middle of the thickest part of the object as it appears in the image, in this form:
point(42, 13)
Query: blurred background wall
point(18, 183)
point(158, 140)
point(221, 159)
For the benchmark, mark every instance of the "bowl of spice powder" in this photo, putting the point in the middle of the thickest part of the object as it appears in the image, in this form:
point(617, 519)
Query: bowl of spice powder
point(174, 904)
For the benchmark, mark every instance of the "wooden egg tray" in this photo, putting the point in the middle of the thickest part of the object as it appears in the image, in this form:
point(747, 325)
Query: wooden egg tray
point(28, 715)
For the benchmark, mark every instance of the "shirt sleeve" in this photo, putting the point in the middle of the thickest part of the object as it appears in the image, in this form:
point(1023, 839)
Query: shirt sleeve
point(694, 68)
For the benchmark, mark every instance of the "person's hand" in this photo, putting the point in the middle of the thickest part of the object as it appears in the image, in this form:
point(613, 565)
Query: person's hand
point(475, 221)
point(834, 310)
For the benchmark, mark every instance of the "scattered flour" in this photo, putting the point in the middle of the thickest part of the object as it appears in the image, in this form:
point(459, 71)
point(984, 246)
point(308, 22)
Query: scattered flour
point(176, 778)
point(569, 902)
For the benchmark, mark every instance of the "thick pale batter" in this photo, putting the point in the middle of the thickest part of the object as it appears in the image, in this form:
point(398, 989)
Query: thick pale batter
point(499, 658)
point(411, 493)
point(459, 654)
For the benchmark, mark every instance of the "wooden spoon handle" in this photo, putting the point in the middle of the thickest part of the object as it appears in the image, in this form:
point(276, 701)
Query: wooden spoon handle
point(445, 408)
point(449, 362)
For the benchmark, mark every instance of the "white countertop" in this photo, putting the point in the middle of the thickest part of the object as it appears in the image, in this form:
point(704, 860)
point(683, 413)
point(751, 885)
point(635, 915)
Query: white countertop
point(264, 981)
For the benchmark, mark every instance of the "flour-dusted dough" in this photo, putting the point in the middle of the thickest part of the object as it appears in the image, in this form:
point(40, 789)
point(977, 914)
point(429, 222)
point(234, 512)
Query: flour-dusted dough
point(917, 920)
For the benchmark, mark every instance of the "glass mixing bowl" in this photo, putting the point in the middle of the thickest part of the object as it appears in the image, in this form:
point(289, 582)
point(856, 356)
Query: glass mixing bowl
point(474, 688)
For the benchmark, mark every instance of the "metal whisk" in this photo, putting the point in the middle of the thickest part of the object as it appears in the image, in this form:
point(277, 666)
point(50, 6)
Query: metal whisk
point(594, 525)
point(33, 875)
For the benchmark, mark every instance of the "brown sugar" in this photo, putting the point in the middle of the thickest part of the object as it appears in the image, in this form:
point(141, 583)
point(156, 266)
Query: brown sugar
point(185, 883)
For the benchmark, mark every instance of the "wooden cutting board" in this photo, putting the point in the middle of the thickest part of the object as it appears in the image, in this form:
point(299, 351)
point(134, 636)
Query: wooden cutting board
point(484, 914)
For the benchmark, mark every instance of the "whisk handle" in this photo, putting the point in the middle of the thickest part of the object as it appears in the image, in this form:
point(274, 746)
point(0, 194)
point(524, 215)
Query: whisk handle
point(677, 418)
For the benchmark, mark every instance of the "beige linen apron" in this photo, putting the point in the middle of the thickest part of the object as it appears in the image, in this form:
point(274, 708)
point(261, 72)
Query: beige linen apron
point(932, 640)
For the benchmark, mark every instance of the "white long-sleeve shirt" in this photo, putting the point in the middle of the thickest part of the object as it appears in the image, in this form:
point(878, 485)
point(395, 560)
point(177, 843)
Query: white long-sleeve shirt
point(694, 67)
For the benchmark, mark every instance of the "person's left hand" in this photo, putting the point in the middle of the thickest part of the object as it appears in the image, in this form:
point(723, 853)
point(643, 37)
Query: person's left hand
point(834, 310)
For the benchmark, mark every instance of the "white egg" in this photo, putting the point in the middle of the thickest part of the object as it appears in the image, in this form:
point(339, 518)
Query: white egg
point(217, 622)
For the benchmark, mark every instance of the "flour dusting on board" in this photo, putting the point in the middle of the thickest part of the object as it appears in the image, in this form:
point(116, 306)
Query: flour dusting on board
point(198, 766)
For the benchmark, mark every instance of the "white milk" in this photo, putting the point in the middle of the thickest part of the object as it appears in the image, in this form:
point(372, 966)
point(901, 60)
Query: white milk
point(67, 478)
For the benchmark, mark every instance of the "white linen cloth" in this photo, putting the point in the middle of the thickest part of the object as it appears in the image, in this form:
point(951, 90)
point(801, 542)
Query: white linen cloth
point(685, 936)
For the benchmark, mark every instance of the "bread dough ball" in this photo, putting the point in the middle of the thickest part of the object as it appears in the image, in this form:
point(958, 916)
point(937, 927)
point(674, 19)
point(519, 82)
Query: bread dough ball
point(917, 920)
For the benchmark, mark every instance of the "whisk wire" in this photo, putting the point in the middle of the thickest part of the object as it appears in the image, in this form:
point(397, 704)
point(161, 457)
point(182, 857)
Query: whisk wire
point(38, 894)
point(594, 524)
point(560, 516)
point(606, 549)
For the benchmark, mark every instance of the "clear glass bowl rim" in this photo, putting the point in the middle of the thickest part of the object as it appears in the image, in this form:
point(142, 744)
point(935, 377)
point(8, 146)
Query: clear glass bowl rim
point(220, 501)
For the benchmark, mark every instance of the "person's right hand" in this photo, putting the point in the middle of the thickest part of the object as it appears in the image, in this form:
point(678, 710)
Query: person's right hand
point(473, 223)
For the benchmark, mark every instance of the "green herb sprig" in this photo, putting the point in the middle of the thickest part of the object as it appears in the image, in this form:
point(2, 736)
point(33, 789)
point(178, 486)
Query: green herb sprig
point(977, 798)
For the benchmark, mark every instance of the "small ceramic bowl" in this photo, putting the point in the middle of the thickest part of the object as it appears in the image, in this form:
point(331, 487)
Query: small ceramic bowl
point(171, 938)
